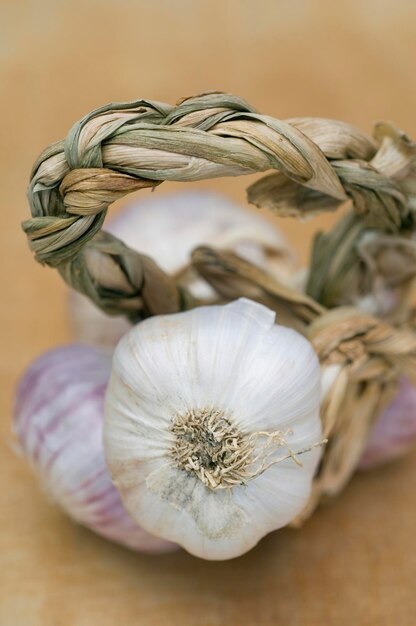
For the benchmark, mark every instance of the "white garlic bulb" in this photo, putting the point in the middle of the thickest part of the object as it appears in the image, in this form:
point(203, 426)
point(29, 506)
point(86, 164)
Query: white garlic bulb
point(59, 421)
point(212, 426)
point(168, 228)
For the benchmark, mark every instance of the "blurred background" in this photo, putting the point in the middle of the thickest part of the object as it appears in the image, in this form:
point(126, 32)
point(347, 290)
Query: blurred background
point(354, 562)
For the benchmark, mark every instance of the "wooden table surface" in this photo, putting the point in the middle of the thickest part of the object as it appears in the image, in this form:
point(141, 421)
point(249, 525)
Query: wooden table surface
point(355, 561)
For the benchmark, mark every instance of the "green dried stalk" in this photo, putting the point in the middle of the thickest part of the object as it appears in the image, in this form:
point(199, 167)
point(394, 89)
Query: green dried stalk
point(120, 148)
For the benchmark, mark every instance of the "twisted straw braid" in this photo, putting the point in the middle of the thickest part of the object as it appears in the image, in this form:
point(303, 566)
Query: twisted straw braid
point(318, 165)
point(121, 148)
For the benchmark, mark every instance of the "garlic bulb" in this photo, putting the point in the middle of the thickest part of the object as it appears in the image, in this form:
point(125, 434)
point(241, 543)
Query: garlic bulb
point(394, 432)
point(212, 426)
point(59, 421)
point(168, 228)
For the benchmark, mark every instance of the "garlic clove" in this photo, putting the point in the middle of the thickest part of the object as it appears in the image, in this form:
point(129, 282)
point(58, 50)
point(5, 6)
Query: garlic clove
point(155, 225)
point(212, 420)
point(59, 421)
point(394, 431)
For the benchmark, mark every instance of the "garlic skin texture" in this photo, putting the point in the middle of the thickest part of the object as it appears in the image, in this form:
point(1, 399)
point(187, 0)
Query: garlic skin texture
point(211, 396)
point(168, 228)
point(394, 432)
point(58, 420)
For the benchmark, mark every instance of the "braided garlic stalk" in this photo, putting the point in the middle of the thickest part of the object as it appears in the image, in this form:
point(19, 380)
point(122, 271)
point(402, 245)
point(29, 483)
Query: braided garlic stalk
point(357, 308)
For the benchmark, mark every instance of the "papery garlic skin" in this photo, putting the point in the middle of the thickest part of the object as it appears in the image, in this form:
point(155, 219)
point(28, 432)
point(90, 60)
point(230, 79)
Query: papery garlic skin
point(168, 228)
point(231, 360)
point(394, 431)
point(58, 421)
point(91, 326)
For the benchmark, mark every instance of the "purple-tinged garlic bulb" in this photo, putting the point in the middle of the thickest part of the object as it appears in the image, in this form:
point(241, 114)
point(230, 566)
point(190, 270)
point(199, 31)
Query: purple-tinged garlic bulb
point(59, 422)
point(394, 432)
point(168, 228)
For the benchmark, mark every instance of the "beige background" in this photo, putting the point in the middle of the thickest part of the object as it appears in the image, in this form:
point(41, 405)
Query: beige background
point(355, 562)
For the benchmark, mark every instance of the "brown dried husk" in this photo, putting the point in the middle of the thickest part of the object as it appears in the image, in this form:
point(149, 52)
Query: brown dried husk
point(368, 259)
